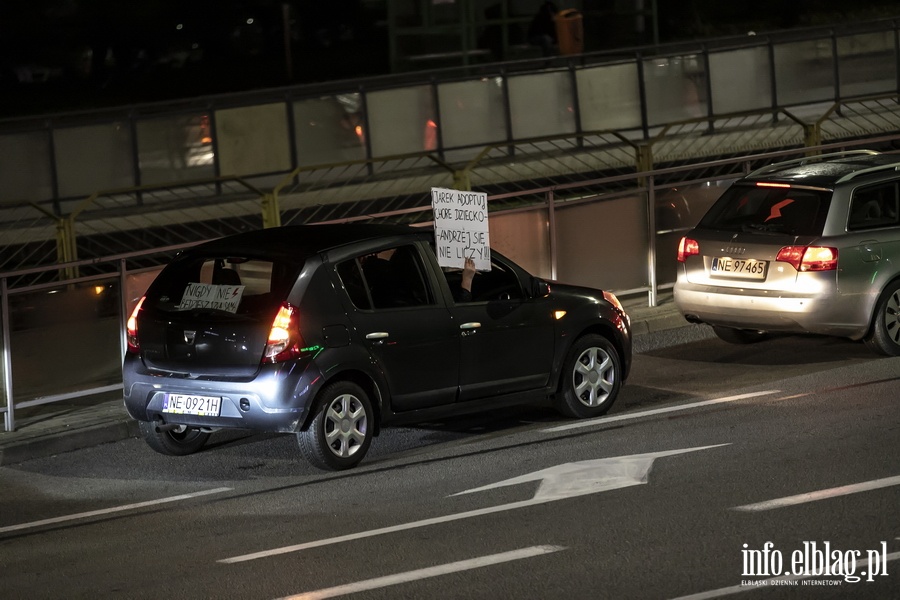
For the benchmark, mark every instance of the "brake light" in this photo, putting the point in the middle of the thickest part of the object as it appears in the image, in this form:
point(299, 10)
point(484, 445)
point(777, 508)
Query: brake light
point(131, 330)
point(809, 258)
point(687, 247)
point(284, 341)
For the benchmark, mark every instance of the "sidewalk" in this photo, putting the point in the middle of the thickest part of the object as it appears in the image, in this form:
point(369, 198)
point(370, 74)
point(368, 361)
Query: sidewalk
point(58, 427)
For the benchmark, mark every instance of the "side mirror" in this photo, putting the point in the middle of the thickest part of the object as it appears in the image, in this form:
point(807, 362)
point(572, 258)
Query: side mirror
point(539, 288)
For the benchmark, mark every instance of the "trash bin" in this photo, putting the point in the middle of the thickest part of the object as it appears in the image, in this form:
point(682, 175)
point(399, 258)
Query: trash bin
point(570, 31)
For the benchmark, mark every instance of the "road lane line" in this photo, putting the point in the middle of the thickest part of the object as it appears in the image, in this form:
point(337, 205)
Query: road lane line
point(767, 583)
point(655, 411)
point(376, 532)
point(409, 576)
point(843, 490)
point(115, 509)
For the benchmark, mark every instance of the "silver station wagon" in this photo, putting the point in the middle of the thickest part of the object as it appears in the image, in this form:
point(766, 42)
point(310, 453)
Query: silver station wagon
point(804, 246)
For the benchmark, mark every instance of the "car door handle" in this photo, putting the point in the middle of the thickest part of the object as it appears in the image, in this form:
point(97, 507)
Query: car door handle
point(377, 335)
point(471, 325)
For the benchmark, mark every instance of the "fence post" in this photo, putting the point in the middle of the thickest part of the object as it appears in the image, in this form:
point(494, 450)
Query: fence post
point(271, 214)
point(812, 137)
point(9, 417)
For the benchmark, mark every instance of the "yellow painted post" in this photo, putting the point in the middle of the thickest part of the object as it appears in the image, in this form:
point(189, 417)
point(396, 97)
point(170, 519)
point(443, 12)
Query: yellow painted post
point(812, 137)
point(644, 157)
point(66, 244)
point(271, 214)
point(461, 180)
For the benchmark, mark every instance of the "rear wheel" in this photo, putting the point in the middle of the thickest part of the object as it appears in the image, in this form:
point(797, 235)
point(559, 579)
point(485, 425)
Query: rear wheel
point(739, 336)
point(341, 430)
point(884, 336)
point(180, 441)
point(592, 377)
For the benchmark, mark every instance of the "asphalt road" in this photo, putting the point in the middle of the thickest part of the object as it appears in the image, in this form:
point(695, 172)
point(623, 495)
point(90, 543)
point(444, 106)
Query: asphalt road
point(719, 467)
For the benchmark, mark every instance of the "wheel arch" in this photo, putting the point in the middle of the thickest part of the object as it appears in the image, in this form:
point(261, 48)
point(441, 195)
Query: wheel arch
point(607, 331)
point(363, 380)
point(874, 308)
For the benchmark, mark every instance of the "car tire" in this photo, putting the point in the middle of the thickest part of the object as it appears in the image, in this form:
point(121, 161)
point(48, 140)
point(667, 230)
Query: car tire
point(739, 336)
point(591, 378)
point(175, 442)
point(341, 430)
point(884, 335)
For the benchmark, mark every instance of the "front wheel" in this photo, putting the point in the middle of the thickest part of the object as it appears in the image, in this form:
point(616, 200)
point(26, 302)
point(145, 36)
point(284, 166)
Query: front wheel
point(341, 430)
point(181, 441)
point(884, 336)
point(592, 377)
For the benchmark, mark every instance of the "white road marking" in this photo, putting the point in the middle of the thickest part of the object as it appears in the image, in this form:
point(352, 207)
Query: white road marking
point(557, 483)
point(737, 589)
point(655, 411)
point(843, 490)
point(106, 511)
point(589, 476)
point(456, 567)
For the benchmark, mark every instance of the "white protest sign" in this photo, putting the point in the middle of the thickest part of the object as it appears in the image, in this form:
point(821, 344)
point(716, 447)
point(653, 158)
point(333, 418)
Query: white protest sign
point(461, 228)
point(207, 295)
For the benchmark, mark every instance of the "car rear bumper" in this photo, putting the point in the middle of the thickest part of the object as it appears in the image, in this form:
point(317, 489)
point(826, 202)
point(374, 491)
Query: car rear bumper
point(781, 312)
point(276, 400)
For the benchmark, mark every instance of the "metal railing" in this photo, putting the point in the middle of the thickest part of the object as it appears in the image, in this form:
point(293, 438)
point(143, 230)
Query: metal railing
point(565, 206)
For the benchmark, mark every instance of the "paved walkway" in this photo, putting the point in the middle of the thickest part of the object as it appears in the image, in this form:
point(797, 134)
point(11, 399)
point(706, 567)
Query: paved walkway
point(58, 427)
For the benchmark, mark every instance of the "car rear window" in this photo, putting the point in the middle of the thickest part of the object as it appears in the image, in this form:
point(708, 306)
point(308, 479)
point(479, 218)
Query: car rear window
point(236, 285)
point(749, 208)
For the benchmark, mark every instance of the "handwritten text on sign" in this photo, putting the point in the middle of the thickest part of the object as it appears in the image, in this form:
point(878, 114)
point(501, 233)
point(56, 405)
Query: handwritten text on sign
point(207, 295)
point(461, 228)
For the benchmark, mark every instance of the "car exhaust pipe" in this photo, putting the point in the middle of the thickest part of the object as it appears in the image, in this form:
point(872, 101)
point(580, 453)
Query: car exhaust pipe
point(693, 319)
point(163, 427)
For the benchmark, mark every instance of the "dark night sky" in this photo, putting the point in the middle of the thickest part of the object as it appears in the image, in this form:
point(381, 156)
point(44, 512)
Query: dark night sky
point(82, 53)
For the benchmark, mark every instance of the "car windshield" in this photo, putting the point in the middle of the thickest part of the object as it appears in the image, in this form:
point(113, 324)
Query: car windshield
point(748, 208)
point(224, 285)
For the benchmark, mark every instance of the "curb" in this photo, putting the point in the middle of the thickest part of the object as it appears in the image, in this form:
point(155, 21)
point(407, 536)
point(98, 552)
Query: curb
point(59, 443)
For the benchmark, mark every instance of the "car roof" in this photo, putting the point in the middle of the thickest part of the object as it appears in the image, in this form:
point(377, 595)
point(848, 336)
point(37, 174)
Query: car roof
point(303, 240)
point(826, 170)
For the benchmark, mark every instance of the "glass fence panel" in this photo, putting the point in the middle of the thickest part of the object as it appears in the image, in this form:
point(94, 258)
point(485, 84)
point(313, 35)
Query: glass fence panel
point(93, 158)
point(609, 98)
point(329, 130)
point(741, 80)
point(83, 322)
point(177, 148)
point(867, 64)
point(525, 238)
point(472, 112)
point(25, 170)
point(678, 209)
point(541, 105)
point(253, 139)
point(604, 244)
point(402, 121)
point(804, 72)
point(675, 88)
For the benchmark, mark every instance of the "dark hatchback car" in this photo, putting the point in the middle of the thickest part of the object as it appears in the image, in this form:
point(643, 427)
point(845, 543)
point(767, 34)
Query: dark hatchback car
point(331, 331)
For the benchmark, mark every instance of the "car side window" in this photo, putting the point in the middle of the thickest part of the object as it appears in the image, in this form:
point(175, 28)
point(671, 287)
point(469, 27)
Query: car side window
point(500, 283)
point(392, 278)
point(874, 207)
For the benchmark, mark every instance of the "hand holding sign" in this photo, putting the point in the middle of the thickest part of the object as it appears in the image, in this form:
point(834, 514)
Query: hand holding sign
point(461, 228)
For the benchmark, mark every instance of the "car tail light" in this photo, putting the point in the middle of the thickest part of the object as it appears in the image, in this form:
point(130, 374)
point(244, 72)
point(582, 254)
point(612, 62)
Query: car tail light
point(687, 247)
point(809, 258)
point(284, 341)
point(131, 330)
